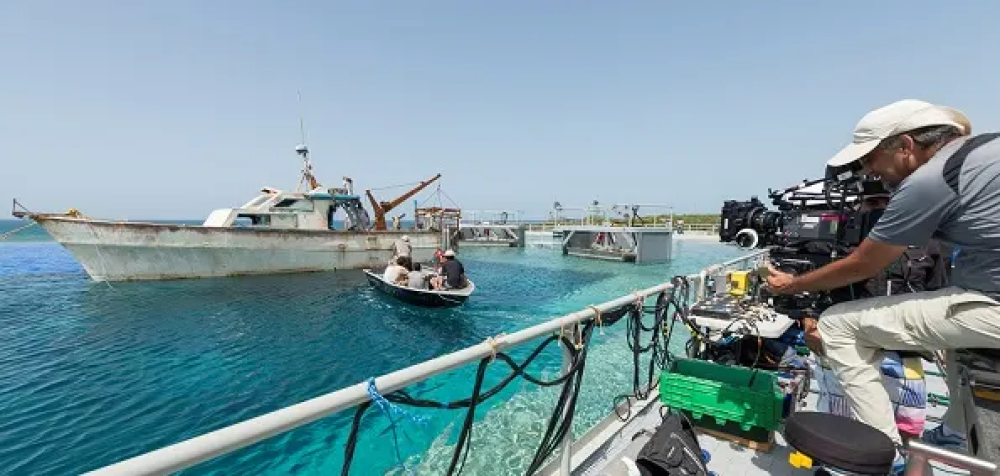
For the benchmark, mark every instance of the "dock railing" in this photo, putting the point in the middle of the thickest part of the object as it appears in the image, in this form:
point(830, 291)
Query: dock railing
point(693, 228)
point(201, 448)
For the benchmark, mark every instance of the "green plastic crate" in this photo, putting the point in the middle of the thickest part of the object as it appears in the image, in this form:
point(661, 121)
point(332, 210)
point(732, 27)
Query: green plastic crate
point(709, 389)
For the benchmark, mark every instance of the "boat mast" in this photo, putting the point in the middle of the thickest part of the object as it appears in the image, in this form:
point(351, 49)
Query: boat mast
point(303, 150)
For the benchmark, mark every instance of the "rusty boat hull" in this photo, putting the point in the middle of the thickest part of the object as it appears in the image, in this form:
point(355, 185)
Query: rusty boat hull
point(132, 251)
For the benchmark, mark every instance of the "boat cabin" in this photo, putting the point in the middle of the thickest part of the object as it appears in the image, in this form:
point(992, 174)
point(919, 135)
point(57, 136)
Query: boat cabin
point(313, 210)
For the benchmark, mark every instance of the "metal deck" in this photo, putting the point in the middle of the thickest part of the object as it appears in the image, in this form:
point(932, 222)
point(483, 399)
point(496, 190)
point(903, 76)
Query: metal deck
point(601, 450)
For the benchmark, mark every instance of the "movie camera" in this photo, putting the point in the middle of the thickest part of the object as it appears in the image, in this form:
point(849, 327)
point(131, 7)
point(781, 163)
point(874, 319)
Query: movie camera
point(816, 222)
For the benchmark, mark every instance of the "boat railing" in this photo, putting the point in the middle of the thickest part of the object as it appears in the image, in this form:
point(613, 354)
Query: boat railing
point(201, 448)
point(225, 440)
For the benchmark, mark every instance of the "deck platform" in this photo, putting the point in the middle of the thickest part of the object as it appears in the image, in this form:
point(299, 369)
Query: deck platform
point(600, 452)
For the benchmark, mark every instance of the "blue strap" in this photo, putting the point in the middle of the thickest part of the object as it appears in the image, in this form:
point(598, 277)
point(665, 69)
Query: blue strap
point(954, 255)
point(389, 410)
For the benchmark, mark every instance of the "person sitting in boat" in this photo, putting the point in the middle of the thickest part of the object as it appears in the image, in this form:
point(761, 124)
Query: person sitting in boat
point(396, 272)
point(438, 260)
point(452, 274)
point(401, 247)
point(417, 279)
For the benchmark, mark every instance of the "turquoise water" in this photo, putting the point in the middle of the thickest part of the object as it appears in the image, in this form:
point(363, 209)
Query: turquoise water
point(91, 373)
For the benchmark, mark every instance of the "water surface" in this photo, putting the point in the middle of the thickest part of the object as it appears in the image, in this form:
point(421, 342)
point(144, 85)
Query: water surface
point(92, 373)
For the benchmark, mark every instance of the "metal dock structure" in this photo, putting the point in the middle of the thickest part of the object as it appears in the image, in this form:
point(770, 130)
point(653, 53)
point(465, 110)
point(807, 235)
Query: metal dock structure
point(627, 244)
point(500, 228)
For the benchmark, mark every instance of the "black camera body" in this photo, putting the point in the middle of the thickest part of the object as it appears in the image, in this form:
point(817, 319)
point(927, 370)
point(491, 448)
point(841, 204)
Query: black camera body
point(843, 227)
point(751, 225)
point(800, 260)
point(808, 231)
point(740, 216)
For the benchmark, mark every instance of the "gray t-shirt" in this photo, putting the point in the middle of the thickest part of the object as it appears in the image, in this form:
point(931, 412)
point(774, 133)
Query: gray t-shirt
point(416, 280)
point(924, 207)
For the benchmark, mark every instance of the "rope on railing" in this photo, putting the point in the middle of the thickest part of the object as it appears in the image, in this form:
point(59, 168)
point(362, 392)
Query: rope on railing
point(575, 342)
point(388, 409)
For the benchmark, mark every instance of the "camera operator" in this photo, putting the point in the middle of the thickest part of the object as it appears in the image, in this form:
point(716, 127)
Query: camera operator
point(918, 269)
point(948, 186)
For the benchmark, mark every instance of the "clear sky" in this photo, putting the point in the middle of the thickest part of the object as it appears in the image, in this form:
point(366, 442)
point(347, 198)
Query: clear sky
point(170, 109)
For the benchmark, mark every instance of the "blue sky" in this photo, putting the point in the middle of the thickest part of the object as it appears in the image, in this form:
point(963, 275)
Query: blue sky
point(171, 109)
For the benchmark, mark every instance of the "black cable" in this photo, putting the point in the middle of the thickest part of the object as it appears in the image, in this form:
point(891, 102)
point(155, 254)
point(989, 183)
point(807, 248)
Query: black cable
point(559, 424)
point(674, 299)
point(561, 421)
point(352, 439)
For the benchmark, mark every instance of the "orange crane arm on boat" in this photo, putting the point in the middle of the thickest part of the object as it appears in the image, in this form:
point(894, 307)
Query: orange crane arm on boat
point(381, 208)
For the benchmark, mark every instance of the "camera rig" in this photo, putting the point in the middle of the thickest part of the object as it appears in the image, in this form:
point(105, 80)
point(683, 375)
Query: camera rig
point(816, 222)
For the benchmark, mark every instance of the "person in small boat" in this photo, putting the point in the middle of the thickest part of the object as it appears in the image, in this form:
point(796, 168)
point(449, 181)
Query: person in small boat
point(438, 260)
point(396, 272)
point(417, 279)
point(452, 275)
point(401, 247)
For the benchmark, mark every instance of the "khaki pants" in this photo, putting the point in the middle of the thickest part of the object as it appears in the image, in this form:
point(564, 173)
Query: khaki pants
point(855, 333)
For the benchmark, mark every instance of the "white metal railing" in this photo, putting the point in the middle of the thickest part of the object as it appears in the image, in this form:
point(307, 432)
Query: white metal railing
point(706, 228)
point(492, 217)
point(201, 448)
point(225, 440)
point(693, 228)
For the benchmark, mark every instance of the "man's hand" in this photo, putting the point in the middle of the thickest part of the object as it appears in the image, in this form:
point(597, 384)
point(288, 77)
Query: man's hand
point(865, 262)
point(780, 282)
point(811, 335)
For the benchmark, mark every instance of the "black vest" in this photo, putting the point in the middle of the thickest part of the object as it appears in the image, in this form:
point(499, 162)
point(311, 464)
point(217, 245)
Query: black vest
point(916, 270)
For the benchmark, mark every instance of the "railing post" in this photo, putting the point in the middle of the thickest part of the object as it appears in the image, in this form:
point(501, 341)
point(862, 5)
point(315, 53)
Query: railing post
point(920, 455)
point(566, 456)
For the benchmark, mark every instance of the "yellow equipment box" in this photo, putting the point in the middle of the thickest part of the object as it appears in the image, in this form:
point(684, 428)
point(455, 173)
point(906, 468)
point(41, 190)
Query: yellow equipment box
point(738, 282)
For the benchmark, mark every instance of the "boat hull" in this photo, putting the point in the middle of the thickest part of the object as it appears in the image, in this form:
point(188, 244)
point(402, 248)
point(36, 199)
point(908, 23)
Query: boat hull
point(126, 251)
point(422, 298)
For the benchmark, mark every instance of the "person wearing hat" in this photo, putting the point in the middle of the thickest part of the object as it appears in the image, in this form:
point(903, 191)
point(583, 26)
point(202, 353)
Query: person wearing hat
point(401, 247)
point(946, 185)
point(452, 273)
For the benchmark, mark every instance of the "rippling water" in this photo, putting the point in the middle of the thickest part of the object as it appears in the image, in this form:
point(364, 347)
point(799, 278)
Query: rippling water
point(91, 373)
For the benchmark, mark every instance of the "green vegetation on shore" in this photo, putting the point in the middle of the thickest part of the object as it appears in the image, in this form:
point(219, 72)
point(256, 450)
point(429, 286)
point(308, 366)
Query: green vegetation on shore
point(699, 219)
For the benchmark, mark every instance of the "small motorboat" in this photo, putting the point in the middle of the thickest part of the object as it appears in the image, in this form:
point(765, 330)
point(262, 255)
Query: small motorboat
point(421, 297)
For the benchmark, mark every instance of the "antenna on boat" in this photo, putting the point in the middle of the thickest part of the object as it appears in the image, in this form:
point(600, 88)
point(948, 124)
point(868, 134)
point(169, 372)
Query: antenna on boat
point(303, 150)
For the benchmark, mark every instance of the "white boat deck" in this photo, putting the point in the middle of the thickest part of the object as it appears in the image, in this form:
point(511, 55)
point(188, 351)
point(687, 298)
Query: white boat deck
point(600, 452)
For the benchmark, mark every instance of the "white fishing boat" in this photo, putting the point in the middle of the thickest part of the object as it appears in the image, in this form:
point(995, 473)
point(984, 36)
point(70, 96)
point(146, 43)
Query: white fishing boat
point(275, 232)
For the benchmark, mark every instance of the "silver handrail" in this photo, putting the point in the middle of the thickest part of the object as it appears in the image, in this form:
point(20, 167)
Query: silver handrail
point(204, 447)
point(201, 448)
point(920, 455)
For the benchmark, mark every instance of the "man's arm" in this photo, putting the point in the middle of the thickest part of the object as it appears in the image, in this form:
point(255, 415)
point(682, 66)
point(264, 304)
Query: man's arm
point(914, 212)
point(865, 262)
